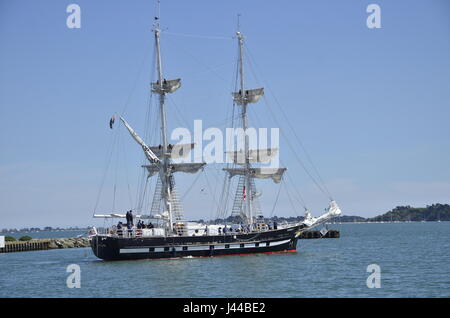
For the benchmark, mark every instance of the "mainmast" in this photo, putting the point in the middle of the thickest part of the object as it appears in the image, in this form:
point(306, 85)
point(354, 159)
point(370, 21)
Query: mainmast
point(246, 199)
point(244, 103)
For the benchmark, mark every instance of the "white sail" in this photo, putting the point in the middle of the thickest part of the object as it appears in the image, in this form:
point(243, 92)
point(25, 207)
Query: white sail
point(152, 169)
point(168, 86)
point(148, 153)
point(259, 173)
point(332, 211)
point(249, 96)
point(186, 167)
point(176, 151)
point(255, 155)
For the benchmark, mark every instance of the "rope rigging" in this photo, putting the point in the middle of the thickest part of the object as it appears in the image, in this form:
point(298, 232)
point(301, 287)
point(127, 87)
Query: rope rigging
point(276, 201)
point(320, 184)
point(152, 133)
point(108, 162)
point(286, 175)
point(199, 36)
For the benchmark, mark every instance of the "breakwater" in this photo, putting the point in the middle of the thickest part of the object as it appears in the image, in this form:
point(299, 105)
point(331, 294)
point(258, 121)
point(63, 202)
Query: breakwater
point(44, 244)
point(317, 234)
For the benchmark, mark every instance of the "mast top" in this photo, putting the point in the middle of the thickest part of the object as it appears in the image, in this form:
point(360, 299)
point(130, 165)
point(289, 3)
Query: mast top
point(239, 22)
point(238, 32)
point(156, 24)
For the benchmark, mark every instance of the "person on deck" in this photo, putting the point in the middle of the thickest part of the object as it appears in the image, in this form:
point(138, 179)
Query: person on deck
point(127, 216)
point(131, 217)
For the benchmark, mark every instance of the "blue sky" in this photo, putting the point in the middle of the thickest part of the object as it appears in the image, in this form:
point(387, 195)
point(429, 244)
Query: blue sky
point(371, 105)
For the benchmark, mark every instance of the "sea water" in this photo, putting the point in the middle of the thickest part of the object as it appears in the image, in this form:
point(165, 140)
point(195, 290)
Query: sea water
point(413, 258)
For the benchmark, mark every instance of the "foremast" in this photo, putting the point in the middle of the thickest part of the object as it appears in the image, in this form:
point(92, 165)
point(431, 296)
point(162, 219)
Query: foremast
point(244, 118)
point(158, 88)
point(160, 156)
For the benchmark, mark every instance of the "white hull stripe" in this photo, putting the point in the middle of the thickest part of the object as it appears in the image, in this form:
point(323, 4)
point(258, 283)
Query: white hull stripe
point(133, 250)
point(278, 243)
point(200, 248)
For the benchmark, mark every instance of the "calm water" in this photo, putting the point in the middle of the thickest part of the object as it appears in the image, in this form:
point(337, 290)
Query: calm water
point(414, 260)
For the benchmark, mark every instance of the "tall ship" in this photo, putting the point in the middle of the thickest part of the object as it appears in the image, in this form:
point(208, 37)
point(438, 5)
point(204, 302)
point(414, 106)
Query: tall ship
point(162, 231)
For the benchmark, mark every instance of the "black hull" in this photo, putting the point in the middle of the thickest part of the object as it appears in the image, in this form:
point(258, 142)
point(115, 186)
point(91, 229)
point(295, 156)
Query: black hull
point(114, 248)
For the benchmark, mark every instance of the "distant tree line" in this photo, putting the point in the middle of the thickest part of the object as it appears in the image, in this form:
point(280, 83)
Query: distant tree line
point(37, 229)
point(22, 239)
point(435, 212)
point(238, 219)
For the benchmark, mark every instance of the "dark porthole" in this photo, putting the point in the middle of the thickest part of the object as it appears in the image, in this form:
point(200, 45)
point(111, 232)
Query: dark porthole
point(242, 245)
point(256, 244)
point(267, 244)
point(152, 249)
point(227, 245)
point(185, 248)
point(211, 247)
point(166, 249)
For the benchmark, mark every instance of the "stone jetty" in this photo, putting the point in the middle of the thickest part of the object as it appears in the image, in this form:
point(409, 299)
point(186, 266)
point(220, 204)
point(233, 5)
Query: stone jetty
point(45, 244)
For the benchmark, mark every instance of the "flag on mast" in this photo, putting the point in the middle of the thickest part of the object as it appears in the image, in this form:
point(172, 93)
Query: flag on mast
point(245, 193)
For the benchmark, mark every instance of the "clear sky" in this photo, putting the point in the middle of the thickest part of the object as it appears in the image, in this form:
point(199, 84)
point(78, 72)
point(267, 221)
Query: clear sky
point(371, 106)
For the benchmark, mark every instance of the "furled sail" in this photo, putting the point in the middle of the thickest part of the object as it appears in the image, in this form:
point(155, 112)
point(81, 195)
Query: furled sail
point(332, 211)
point(259, 173)
point(255, 155)
point(168, 86)
point(187, 167)
point(250, 96)
point(176, 167)
point(174, 151)
point(152, 169)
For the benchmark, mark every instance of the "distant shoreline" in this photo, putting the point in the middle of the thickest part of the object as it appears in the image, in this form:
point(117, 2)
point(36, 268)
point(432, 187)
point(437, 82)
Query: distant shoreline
point(13, 231)
point(401, 214)
point(330, 223)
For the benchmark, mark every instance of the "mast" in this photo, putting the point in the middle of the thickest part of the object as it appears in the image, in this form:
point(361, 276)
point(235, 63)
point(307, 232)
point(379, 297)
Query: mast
point(160, 90)
point(160, 156)
point(246, 190)
point(247, 182)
